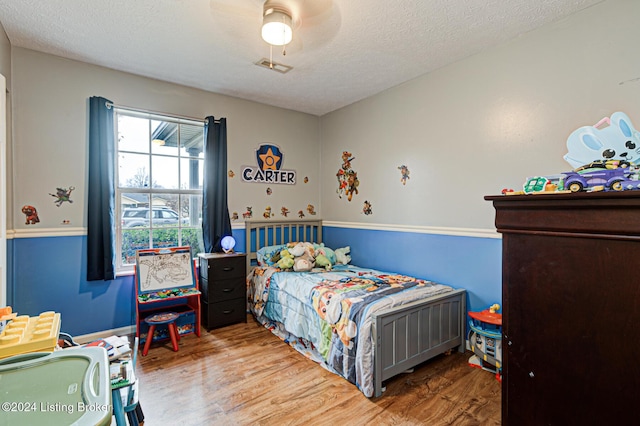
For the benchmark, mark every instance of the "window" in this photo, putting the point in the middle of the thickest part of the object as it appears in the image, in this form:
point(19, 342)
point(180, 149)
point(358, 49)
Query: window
point(158, 175)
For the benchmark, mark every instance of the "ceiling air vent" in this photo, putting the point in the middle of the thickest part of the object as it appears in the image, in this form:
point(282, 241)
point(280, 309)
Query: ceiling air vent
point(281, 68)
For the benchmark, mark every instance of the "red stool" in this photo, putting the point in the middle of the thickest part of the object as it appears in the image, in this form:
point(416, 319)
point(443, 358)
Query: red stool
point(168, 318)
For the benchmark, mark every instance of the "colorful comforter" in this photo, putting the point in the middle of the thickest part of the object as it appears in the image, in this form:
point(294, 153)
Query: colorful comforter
point(327, 315)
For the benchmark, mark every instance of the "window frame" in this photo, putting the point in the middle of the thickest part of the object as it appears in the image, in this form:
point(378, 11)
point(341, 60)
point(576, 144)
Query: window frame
point(150, 191)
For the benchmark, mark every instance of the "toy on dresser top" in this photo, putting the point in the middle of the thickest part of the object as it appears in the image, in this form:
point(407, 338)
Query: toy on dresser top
point(604, 157)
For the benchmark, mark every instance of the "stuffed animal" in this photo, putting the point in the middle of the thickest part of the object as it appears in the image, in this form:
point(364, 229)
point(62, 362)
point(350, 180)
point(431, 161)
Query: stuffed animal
point(326, 251)
point(303, 263)
point(342, 255)
point(286, 260)
point(299, 249)
point(323, 261)
point(275, 257)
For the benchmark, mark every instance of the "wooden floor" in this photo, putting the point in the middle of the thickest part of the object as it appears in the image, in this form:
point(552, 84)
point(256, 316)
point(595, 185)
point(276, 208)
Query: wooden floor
point(244, 375)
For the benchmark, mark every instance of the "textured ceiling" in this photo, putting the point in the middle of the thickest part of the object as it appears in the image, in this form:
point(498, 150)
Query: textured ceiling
point(343, 50)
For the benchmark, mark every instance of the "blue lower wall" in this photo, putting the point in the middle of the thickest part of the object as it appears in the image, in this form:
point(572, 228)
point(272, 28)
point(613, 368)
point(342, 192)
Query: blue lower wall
point(49, 273)
point(472, 263)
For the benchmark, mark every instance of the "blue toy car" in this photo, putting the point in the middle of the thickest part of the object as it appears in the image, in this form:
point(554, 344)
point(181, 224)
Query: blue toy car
point(593, 175)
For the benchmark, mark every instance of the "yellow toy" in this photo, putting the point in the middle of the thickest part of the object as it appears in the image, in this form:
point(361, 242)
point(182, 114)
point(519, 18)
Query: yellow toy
point(24, 334)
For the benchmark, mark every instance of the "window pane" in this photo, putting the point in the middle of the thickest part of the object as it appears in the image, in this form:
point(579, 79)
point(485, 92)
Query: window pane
point(134, 210)
point(133, 134)
point(133, 239)
point(191, 210)
point(192, 237)
point(133, 171)
point(164, 210)
point(191, 173)
point(164, 138)
point(165, 238)
point(191, 141)
point(165, 172)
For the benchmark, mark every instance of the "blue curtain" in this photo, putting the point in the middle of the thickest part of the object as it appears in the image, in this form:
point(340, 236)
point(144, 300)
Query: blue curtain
point(215, 210)
point(101, 208)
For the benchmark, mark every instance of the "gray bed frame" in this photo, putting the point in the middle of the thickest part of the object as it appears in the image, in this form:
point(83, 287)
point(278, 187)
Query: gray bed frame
point(404, 336)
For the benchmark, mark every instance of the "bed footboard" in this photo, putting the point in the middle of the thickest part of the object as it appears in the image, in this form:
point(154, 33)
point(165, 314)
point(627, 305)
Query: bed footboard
point(411, 334)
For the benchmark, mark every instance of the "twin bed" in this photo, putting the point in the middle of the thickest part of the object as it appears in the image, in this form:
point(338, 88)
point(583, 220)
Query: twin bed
point(362, 324)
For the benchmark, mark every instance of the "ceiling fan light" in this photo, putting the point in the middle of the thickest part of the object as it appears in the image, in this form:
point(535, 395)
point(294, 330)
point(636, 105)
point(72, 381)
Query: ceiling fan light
point(277, 27)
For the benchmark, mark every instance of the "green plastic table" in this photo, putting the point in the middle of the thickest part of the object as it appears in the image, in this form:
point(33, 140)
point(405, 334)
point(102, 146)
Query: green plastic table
point(63, 387)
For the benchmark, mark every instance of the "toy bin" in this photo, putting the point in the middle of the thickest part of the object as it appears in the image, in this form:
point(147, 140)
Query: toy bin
point(485, 339)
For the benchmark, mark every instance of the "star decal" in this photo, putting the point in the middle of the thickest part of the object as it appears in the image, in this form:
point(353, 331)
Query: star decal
point(269, 160)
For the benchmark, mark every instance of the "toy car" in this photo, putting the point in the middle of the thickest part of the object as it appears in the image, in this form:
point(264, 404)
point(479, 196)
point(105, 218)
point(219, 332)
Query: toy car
point(593, 175)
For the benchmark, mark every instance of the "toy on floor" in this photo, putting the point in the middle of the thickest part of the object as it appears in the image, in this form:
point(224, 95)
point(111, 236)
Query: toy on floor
point(24, 334)
point(485, 339)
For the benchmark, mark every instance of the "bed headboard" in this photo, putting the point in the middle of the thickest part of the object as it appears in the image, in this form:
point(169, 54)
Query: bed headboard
point(272, 232)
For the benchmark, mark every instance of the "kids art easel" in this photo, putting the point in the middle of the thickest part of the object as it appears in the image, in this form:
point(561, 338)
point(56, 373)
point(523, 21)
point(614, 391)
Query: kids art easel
point(166, 280)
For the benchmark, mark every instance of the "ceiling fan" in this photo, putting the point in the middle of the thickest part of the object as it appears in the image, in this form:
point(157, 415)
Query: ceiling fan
point(300, 24)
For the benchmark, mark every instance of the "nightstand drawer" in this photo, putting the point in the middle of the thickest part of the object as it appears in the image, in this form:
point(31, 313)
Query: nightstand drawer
point(226, 289)
point(224, 313)
point(227, 267)
point(222, 266)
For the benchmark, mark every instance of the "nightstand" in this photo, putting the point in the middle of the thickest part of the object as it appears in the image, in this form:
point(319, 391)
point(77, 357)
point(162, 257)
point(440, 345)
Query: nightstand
point(223, 287)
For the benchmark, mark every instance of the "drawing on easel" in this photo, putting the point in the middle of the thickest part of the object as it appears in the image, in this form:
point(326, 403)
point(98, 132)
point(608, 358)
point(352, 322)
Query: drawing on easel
point(164, 269)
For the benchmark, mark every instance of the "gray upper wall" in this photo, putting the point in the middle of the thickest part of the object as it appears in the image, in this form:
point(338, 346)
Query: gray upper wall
point(485, 123)
point(50, 109)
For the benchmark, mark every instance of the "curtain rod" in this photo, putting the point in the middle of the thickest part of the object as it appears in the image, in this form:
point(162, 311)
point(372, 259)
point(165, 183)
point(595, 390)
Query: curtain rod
point(146, 111)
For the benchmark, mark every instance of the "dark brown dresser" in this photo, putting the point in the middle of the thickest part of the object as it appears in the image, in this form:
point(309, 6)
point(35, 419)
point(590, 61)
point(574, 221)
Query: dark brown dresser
point(571, 308)
point(224, 289)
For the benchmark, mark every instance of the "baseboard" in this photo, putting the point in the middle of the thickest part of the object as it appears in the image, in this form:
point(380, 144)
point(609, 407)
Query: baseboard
point(122, 331)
